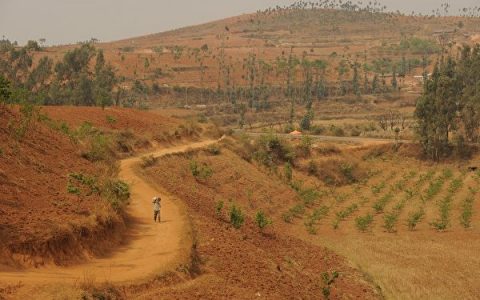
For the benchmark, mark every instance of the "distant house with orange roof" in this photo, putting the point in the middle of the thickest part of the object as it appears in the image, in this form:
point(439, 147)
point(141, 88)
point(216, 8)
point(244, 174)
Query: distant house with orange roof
point(295, 132)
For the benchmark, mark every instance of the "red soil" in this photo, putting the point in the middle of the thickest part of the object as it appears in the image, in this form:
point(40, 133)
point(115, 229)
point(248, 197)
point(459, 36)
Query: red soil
point(244, 263)
point(137, 121)
point(36, 209)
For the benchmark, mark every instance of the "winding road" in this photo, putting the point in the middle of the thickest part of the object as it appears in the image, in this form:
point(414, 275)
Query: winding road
point(150, 247)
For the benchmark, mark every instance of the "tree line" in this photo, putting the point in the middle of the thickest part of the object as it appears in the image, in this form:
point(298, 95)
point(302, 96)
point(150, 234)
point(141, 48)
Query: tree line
point(82, 77)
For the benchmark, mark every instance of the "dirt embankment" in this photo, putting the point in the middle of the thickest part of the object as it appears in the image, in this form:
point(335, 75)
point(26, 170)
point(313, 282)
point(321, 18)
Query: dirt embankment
point(41, 222)
point(113, 118)
point(245, 263)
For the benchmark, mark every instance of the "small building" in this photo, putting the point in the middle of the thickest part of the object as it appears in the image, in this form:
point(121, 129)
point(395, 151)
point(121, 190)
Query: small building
point(295, 132)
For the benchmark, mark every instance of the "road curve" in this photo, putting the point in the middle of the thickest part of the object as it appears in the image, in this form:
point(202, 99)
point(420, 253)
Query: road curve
point(151, 247)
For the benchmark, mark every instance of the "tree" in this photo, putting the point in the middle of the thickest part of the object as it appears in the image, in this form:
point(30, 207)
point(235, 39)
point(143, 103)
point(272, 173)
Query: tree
point(306, 121)
point(436, 110)
point(356, 80)
point(83, 94)
point(40, 75)
point(33, 46)
point(320, 89)
point(394, 79)
point(100, 63)
point(308, 83)
point(375, 84)
point(5, 92)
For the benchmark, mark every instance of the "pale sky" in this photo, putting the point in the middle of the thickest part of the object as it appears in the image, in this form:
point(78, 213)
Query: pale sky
point(70, 21)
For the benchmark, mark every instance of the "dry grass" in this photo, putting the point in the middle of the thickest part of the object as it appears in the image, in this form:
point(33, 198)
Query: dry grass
point(414, 266)
point(420, 264)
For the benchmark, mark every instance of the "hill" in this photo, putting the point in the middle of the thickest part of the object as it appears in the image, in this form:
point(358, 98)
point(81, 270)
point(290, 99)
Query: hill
point(60, 200)
point(192, 56)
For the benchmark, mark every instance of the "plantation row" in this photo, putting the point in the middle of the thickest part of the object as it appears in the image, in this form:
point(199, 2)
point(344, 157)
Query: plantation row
point(438, 199)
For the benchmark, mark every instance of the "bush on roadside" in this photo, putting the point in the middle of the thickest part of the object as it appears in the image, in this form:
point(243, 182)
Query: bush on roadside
point(116, 192)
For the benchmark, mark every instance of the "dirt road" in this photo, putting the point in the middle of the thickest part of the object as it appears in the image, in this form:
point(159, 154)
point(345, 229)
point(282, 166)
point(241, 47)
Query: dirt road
point(150, 249)
point(327, 138)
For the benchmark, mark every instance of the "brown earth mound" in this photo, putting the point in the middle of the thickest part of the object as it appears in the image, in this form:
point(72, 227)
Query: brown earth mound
point(246, 263)
point(41, 222)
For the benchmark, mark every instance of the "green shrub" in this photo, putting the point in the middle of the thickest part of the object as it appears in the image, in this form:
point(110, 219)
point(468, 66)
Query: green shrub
point(71, 189)
point(379, 206)
point(219, 208)
point(99, 149)
point(309, 196)
point(347, 171)
point(296, 185)
point(271, 150)
point(363, 223)
point(111, 119)
point(288, 172)
point(434, 188)
point(213, 149)
point(328, 280)
point(298, 210)
point(200, 172)
point(340, 198)
point(116, 192)
point(467, 212)
point(414, 218)
point(447, 174)
point(262, 220)
point(444, 207)
point(390, 219)
point(236, 217)
point(29, 113)
point(312, 220)
point(89, 182)
point(376, 189)
point(342, 215)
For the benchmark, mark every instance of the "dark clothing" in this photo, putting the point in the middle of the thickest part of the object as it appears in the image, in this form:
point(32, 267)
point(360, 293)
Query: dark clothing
point(155, 215)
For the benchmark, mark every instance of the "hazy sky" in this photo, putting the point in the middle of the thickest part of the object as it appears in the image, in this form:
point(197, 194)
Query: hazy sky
point(69, 21)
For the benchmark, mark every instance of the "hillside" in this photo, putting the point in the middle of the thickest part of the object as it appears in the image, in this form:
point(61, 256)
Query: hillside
point(40, 217)
point(317, 151)
point(57, 170)
point(191, 56)
point(246, 262)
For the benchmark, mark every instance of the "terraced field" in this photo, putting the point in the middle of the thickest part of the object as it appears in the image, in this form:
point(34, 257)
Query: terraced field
point(412, 226)
point(434, 199)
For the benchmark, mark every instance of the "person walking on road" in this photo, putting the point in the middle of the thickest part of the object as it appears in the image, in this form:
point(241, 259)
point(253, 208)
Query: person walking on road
point(156, 208)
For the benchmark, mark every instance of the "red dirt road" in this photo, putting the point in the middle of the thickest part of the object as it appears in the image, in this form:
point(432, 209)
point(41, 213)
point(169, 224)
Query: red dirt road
point(151, 247)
